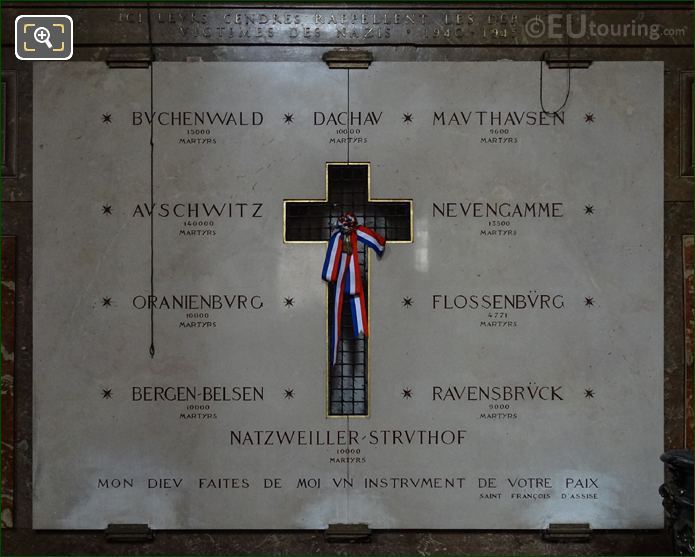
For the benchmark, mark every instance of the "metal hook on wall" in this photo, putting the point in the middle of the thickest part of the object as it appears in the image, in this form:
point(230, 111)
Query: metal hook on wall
point(544, 60)
point(568, 63)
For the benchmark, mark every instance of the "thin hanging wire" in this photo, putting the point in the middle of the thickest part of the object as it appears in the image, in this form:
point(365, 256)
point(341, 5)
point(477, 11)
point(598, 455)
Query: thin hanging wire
point(569, 82)
point(348, 116)
point(149, 33)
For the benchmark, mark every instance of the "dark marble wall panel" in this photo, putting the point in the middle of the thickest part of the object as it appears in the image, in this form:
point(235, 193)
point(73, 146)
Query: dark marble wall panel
point(8, 90)
point(678, 222)
point(16, 223)
point(16, 128)
point(8, 350)
point(686, 123)
point(689, 336)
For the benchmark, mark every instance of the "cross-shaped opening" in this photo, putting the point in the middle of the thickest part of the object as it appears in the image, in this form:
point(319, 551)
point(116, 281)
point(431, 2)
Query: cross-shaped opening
point(348, 189)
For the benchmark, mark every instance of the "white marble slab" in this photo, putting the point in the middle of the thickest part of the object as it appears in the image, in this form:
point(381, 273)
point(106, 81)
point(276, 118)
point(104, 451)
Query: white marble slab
point(601, 364)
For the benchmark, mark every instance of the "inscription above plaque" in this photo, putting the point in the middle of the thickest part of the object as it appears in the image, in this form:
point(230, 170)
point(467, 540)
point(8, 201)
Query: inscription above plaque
point(371, 26)
point(181, 323)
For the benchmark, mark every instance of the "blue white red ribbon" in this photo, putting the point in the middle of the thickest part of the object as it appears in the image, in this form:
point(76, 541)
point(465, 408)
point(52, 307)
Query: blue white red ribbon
point(342, 267)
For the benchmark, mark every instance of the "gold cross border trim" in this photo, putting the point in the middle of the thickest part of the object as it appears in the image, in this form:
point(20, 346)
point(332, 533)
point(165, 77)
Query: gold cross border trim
point(325, 200)
point(327, 374)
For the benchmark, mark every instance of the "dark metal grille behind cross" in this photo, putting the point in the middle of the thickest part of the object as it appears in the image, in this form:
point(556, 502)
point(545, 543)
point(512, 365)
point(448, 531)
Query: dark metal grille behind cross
point(348, 190)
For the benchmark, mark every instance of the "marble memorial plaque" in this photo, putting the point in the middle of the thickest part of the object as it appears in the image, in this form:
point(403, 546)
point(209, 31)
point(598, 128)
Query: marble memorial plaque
point(513, 373)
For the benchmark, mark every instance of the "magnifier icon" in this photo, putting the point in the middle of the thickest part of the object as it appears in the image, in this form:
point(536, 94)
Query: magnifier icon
point(43, 36)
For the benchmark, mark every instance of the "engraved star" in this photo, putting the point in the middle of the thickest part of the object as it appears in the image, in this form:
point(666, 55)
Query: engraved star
point(407, 118)
point(407, 302)
point(106, 209)
point(288, 118)
point(588, 301)
point(106, 118)
point(407, 393)
point(289, 393)
point(589, 117)
point(289, 302)
point(588, 209)
point(588, 393)
point(106, 301)
point(105, 393)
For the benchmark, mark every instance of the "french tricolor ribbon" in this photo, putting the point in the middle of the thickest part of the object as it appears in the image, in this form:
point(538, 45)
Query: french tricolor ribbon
point(342, 267)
